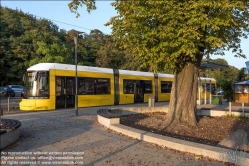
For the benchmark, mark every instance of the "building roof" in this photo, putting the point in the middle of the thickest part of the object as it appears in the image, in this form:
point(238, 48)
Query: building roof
point(242, 83)
point(212, 65)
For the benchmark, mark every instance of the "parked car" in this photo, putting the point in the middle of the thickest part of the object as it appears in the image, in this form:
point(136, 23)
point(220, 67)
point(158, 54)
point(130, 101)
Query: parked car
point(6, 92)
point(220, 92)
point(3, 91)
point(17, 89)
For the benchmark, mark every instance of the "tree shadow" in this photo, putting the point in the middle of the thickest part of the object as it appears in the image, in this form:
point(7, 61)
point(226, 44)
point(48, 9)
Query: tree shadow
point(39, 130)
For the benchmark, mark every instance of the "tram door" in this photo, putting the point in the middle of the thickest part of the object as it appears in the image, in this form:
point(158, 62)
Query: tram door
point(65, 92)
point(139, 91)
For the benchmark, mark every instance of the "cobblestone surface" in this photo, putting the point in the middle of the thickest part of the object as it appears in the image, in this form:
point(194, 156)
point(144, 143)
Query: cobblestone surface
point(62, 131)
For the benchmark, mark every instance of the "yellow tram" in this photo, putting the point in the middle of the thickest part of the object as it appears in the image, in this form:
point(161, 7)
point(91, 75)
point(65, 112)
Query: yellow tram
point(52, 85)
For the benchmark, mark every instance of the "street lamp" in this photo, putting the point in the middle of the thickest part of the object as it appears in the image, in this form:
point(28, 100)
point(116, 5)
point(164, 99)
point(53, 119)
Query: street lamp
point(75, 34)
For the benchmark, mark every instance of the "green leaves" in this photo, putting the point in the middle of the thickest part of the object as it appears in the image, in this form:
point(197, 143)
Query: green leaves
point(73, 6)
point(177, 33)
point(25, 41)
point(53, 53)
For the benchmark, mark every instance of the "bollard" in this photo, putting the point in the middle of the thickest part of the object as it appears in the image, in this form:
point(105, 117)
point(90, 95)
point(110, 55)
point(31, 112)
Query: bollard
point(151, 101)
point(230, 107)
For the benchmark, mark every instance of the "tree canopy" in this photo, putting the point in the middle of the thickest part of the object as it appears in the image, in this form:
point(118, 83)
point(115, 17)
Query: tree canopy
point(172, 34)
point(175, 35)
point(27, 40)
point(20, 37)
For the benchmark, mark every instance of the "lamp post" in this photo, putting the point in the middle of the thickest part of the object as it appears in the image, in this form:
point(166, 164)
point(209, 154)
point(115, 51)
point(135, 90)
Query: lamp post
point(75, 34)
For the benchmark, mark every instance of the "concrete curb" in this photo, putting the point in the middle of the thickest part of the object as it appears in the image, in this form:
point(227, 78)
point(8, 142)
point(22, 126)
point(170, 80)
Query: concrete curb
point(218, 153)
point(9, 137)
point(202, 111)
point(211, 112)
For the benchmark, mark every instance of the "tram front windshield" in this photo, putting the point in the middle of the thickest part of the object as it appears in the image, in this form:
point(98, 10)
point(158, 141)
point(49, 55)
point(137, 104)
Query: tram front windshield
point(37, 84)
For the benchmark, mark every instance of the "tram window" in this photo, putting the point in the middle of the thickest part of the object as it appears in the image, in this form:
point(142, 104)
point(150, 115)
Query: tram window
point(208, 87)
point(102, 86)
point(59, 86)
point(128, 87)
point(166, 86)
point(86, 86)
point(148, 87)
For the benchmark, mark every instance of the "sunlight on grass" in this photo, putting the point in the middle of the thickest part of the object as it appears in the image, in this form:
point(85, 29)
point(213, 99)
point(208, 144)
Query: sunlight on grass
point(234, 116)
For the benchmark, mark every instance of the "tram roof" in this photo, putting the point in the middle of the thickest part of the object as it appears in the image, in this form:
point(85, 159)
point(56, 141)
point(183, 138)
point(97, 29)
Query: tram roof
point(165, 75)
point(136, 73)
point(59, 66)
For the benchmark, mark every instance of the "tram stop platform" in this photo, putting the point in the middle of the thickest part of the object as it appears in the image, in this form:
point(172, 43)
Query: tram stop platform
point(223, 108)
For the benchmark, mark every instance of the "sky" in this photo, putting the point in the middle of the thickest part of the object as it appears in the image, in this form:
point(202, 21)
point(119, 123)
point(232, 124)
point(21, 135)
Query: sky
point(58, 12)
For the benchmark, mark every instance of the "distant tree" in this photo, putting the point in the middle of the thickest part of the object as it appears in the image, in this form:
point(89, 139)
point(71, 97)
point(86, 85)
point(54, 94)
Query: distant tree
point(224, 77)
point(53, 53)
point(226, 86)
point(241, 74)
point(133, 63)
point(26, 40)
point(109, 55)
point(229, 74)
point(175, 35)
point(95, 41)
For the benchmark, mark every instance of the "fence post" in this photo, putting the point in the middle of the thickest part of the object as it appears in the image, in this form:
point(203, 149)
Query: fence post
point(199, 93)
point(8, 104)
point(1, 114)
point(200, 96)
point(243, 109)
point(230, 107)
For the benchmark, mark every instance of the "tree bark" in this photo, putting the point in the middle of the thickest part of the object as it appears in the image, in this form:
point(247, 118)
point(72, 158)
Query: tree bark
point(183, 96)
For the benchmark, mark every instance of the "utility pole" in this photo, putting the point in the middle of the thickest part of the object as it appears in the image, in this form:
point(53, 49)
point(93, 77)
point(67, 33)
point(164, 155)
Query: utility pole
point(75, 34)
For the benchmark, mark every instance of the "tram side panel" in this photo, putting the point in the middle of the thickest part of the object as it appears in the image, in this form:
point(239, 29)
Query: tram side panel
point(164, 88)
point(201, 87)
point(95, 89)
point(134, 88)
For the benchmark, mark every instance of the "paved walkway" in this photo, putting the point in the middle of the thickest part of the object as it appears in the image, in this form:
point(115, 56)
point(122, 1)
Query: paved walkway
point(62, 131)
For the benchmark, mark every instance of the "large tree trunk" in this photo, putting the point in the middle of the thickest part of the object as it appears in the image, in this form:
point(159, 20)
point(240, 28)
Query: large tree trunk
point(183, 97)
